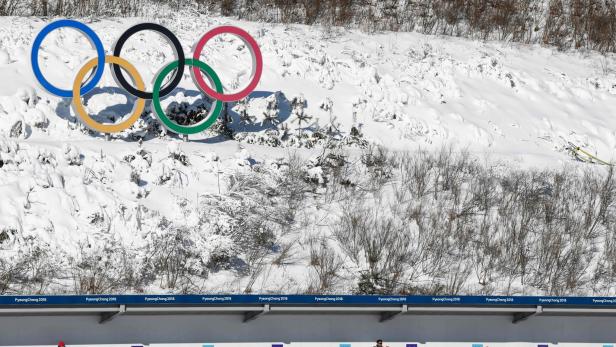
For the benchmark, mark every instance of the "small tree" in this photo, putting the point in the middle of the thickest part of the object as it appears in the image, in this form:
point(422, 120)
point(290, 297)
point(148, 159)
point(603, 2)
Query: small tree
point(298, 106)
point(332, 128)
point(271, 110)
point(221, 127)
point(242, 109)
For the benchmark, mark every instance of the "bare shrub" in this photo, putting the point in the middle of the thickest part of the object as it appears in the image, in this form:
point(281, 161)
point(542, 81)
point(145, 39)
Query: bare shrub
point(422, 222)
point(109, 269)
point(176, 260)
point(325, 262)
point(32, 270)
point(446, 224)
point(563, 23)
point(377, 243)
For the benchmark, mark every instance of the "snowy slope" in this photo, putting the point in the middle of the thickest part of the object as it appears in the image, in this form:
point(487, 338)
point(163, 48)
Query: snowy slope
point(69, 190)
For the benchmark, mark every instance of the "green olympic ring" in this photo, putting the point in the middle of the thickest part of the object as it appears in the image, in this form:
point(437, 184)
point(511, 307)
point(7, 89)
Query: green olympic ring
point(214, 111)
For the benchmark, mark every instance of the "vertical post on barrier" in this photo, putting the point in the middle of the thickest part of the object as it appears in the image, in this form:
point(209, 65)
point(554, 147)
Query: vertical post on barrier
point(105, 317)
point(248, 316)
point(385, 316)
point(518, 317)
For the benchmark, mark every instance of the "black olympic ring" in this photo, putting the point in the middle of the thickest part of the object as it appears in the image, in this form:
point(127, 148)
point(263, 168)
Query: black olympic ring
point(173, 41)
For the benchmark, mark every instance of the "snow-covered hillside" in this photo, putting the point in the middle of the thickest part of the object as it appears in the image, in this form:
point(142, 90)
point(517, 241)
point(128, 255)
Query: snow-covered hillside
point(78, 211)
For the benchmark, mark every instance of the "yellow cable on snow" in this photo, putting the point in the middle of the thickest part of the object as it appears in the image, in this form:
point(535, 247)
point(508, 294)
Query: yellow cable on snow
point(578, 149)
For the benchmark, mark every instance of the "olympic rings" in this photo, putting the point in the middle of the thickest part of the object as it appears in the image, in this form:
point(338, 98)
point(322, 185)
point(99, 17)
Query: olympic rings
point(177, 48)
point(85, 117)
point(208, 120)
point(94, 40)
point(257, 63)
point(139, 90)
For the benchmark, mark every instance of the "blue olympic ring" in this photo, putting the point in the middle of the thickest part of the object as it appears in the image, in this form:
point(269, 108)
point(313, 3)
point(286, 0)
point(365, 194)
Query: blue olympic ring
point(94, 40)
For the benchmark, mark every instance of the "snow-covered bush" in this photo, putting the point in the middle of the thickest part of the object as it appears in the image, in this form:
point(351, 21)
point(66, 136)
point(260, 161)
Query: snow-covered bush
point(298, 112)
point(105, 268)
point(454, 226)
point(175, 258)
point(243, 158)
point(100, 168)
point(184, 113)
point(28, 96)
point(144, 126)
point(17, 128)
point(270, 137)
point(36, 118)
point(31, 269)
point(271, 109)
point(375, 222)
point(325, 263)
point(72, 155)
point(242, 109)
point(176, 153)
point(8, 150)
point(222, 126)
point(140, 161)
point(46, 157)
point(169, 172)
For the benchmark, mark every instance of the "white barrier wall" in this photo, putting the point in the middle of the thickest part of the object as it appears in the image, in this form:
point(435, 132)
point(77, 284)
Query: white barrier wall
point(309, 330)
point(359, 344)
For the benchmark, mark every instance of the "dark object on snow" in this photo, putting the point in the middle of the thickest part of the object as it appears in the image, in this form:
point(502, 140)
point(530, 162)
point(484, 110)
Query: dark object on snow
point(16, 129)
point(1, 163)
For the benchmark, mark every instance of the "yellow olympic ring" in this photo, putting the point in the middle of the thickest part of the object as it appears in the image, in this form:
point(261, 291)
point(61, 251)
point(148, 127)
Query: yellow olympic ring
point(83, 114)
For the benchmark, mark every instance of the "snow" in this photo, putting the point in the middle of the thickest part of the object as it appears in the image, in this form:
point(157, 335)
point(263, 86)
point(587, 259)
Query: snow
point(66, 187)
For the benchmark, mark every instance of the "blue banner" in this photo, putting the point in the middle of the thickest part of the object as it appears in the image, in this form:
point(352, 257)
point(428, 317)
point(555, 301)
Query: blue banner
point(164, 299)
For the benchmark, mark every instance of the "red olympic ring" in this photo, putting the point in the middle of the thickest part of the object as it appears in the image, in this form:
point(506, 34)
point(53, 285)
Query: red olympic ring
point(257, 63)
